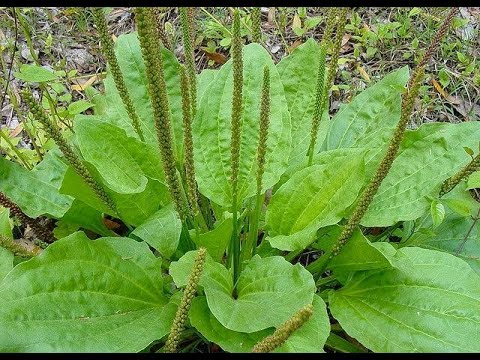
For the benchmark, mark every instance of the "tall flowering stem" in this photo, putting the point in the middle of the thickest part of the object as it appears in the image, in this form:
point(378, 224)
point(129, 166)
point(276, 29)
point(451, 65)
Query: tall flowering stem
point(108, 50)
point(464, 173)
point(188, 142)
point(40, 231)
point(321, 96)
point(236, 124)
point(152, 56)
point(73, 159)
point(247, 249)
point(319, 103)
point(181, 315)
point(256, 24)
point(330, 23)
point(284, 331)
point(18, 249)
point(158, 13)
point(186, 19)
point(367, 195)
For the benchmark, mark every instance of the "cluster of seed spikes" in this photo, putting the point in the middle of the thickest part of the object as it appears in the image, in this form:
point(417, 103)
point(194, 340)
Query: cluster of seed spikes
point(186, 20)
point(366, 198)
point(284, 331)
point(17, 249)
point(151, 53)
point(40, 231)
point(188, 141)
point(264, 123)
point(453, 181)
point(321, 91)
point(256, 24)
point(181, 315)
point(108, 51)
point(250, 242)
point(54, 132)
point(158, 13)
point(236, 125)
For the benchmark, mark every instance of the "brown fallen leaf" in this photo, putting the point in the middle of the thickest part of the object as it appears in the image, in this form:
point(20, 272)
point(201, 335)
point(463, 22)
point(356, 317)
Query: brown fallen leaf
point(217, 57)
point(17, 130)
point(81, 85)
point(294, 46)
point(110, 224)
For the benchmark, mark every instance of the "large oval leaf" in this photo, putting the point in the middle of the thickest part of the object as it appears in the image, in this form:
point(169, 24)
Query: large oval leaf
point(298, 73)
point(271, 288)
point(36, 192)
point(429, 303)
point(129, 55)
point(123, 162)
point(313, 197)
point(161, 230)
point(83, 295)
point(310, 337)
point(457, 234)
point(212, 130)
point(427, 157)
point(369, 119)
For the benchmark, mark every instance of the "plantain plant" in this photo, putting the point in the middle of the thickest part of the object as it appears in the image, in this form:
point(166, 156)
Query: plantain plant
point(356, 248)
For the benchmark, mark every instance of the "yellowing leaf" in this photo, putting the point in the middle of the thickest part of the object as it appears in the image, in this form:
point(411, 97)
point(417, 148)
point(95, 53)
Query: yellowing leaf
point(363, 73)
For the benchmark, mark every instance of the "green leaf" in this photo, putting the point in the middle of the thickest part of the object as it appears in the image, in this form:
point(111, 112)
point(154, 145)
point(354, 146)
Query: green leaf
point(231, 341)
point(457, 235)
point(123, 162)
point(203, 81)
point(161, 230)
point(429, 303)
point(216, 240)
point(309, 338)
point(79, 106)
point(301, 67)
point(468, 150)
point(129, 55)
point(473, 181)
point(414, 11)
point(312, 335)
point(363, 123)
point(6, 262)
point(212, 130)
point(83, 215)
point(312, 198)
point(5, 223)
point(358, 254)
point(33, 192)
point(81, 295)
point(75, 186)
point(427, 157)
point(35, 73)
point(438, 213)
point(271, 288)
point(134, 209)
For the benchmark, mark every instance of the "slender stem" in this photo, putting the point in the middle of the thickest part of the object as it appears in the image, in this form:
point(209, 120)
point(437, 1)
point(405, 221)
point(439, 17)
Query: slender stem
point(325, 280)
point(14, 102)
point(248, 249)
point(215, 19)
point(27, 35)
point(15, 150)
